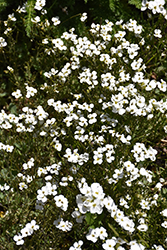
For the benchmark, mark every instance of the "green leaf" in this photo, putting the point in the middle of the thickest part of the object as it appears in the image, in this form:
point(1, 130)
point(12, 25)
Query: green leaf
point(30, 14)
point(13, 109)
point(164, 190)
point(160, 68)
point(4, 172)
point(17, 146)
point(137, 3)
point(3, 94)
point(90, 218)
point(1, 196)
point(112, 5)
point(3, 5)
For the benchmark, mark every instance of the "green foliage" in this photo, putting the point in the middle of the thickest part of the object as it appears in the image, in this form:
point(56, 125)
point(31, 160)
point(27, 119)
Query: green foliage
point(96, 9)
point(137, 3)
point(30, 14)
point(114, 10)
point(3, 5)
point(112, 5)
point(8, 6)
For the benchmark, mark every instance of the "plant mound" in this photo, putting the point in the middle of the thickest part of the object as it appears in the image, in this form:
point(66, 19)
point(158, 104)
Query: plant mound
point(83, 139)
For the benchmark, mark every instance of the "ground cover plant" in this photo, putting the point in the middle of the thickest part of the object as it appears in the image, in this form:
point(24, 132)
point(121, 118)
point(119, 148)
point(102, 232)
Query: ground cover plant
point(96, 9)
point(83, 139)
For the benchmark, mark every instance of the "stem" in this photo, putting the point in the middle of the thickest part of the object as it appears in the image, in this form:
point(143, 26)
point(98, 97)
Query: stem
point(71, 18)
point(150, 59)
point(113, 229)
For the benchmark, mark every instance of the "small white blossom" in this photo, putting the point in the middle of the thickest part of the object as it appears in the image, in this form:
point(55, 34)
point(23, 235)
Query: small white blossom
point(83, 17)
point(55, 21)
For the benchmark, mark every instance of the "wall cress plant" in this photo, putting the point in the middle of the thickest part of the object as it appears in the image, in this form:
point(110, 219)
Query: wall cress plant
point(83, 133)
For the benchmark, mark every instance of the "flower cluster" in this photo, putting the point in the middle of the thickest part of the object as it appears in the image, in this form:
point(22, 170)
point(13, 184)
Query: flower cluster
point(164, 213)
point(63, 225)
point(39, 4)
point(156, 6)
point(4, 187)
point(30, 91)
point(96, 233)
point(26, 231)
point(96, 115)
point(141, 153)
point(7, 148)
point(75, 157)
point(93, 200)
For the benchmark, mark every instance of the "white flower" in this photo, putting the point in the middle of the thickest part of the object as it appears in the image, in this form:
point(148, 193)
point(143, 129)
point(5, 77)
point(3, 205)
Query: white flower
point(164, 212)
point(41, 171)
point(158, 186)
point(159, 247)
point(63, 225)
point(97, 190)
point(45, 41)
point(61, 202)
point(35, 19)
point(127, 224)
point(11, 17)
point(22, 185)
point(162, 85)
point(7, 30)
point(9, 148)
point(4, 187)
point(26, 232)
point(92, 235)
point(42, 193)
point(3, 43)
point(55, 21)
point(135, 246)
point(58, 146)
point(120, 35)
point(129, 166)
point(79, 217)
point(157, 33)
point(142, 227)
point(29, 178)
point(95, 206)
point(164, 224)
point(77, 245)
point(30, 91)
point(83, 17)
point(17, 93)
point(40, 112)
point(32, 226)
point(109, 244)
point(98, 159)
point(43, 12)
point(92, 118)
point(19, 239)
point(118, 174)
point(108, 202)
point(39, 4)
point(145, 204)
point(102, 233)
point(10, 69)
